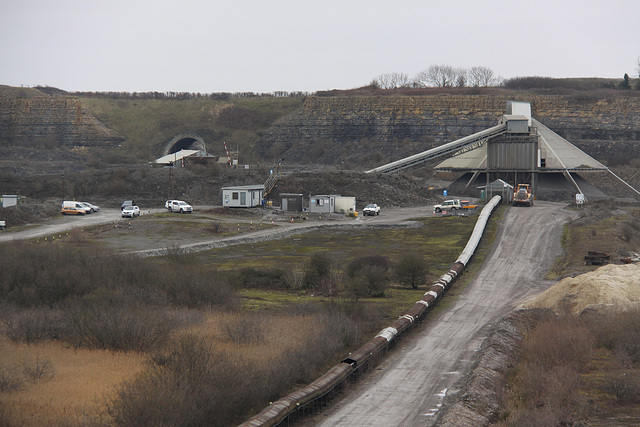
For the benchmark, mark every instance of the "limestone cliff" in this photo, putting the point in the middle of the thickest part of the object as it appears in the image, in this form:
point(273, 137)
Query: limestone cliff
point(374, 129)
point(62, 120)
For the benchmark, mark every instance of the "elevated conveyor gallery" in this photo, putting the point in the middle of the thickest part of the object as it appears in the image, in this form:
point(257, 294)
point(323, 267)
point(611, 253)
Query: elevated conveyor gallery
point(458, 146)
point(516, 150)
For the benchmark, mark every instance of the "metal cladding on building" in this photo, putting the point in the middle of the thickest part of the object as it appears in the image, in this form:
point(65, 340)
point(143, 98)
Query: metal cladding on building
point(516, 150)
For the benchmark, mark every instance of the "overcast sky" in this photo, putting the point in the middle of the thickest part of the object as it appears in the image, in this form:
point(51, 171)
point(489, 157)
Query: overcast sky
point(298, 45)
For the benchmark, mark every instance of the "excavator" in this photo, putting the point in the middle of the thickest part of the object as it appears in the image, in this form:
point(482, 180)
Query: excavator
point(522, 195)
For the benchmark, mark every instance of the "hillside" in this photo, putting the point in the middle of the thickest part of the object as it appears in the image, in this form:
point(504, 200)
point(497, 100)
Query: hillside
point(99, 145)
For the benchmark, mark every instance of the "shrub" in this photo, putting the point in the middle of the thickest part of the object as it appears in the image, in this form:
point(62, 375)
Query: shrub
point(411, 270)
point(318, 266)
point(625, 387)
point(38, 370)
point(264, 278)
point(619, 332)
point(188, 383)
point(111, 326)
point(33, 325)
point(294, 279)
point(558, 342)
point(368, 276)
point(244, 330)
point(10, 381)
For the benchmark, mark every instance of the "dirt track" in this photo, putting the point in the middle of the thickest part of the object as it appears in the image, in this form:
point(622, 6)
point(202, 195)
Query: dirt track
point(152, 240)
point(408, 388)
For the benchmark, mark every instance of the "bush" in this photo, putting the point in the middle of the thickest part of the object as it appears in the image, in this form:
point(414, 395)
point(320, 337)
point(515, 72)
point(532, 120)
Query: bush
point(186, 384)
point(10, 381)
point(197, 288)
point(263, 278)
point(38, 370)
point(559, 342)
point(318, 267)
point(111, 326)
point(33, 325)
point(294, 279)
point(548, 378)
point(625, 387)
point(619, 332)
point(244, 330)
point(368, 276)
point(411, 270)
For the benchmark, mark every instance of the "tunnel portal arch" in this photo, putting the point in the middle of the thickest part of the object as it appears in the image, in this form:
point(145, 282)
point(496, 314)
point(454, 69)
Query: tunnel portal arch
point(185, 141)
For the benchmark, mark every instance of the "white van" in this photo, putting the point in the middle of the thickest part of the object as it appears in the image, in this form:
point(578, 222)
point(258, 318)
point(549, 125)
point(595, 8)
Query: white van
point(77, 205)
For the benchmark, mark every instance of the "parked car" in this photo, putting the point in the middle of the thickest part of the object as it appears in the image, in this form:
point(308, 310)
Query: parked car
point(178, 206)
point(448, 205)
point(127, 203)
point(130, 212)
point(371, 209)
point(78, 205)
point(94, 208)
point(86, 207)
point(73, 210)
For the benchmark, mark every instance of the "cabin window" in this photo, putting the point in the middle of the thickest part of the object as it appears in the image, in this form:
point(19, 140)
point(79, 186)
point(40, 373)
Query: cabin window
point(234, 195)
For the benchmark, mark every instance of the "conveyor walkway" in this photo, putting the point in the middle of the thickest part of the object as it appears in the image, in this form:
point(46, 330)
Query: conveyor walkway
point(449, 148)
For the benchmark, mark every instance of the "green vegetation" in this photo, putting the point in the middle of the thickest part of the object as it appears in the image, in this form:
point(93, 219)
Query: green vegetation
point(149, 124)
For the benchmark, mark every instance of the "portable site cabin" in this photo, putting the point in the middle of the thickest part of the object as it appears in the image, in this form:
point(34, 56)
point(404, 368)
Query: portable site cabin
point(242, 196)
point(331, 203)
point(322, 203)
point(291, 202)
point(8, 200)
point(345, 204)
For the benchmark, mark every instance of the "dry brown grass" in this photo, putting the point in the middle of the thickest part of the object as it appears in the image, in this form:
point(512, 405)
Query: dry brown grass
point(83, 380)
point(281, 333)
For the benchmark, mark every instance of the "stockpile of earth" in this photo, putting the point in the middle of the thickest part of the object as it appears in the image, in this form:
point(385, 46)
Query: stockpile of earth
point(610, 285)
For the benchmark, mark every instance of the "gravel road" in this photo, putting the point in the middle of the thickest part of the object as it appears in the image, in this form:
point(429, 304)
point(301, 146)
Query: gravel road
point(153, 245)
point(64, 223)
point(408, 388)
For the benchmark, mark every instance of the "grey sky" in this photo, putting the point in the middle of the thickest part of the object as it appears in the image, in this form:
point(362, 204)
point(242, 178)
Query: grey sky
point(297, 45)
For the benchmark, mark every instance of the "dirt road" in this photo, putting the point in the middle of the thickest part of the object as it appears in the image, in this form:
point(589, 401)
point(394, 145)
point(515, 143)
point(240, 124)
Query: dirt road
point(408, 388)
point(64, 223)
point(154, 242)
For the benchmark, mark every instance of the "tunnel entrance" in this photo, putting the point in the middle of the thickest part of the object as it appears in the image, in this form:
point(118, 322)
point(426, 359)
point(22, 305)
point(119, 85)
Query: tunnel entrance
point(185, 141)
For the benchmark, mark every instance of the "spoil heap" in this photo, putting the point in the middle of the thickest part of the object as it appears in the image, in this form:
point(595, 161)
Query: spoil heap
point(609, 285)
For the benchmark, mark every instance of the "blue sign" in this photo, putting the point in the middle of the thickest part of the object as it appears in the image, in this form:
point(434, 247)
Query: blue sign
point(444, 193)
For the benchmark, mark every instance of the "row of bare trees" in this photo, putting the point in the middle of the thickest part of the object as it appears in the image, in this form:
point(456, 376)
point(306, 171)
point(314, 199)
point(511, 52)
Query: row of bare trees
point(440, 76)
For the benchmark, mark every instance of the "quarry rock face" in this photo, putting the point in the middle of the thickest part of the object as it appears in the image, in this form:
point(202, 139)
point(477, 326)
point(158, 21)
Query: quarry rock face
point(63, 120)
point(362, 130)
point(398, 126)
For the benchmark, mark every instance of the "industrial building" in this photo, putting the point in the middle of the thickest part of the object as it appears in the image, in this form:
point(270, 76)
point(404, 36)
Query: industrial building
point(518, 150)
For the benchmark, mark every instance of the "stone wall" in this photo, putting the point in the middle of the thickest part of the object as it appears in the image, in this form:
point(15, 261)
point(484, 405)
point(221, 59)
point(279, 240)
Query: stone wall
point(64, 120)
point(404, 125)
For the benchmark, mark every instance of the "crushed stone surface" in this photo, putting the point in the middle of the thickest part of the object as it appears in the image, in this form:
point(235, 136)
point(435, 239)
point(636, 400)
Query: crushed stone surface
point(609, 285)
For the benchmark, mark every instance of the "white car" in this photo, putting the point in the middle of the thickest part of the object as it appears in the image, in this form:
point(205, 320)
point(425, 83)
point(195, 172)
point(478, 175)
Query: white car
point(87, 208)
point(94, 208)
point(130, 212)
point(371, 209)
point(178, 206)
